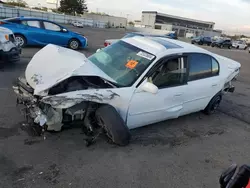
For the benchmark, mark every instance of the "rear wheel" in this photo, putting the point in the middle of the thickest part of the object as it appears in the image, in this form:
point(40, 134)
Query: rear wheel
point(113, 125)
point(74, 44)
point(213, 104)
point(21, 40)
point(237, 47)
point(229, 47)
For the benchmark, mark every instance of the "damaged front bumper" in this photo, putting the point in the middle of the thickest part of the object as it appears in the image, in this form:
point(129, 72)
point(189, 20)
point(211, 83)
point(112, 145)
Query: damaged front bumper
point(32, 111)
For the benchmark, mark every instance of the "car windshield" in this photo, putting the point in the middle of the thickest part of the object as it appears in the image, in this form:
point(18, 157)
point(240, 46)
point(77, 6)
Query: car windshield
point(122, 62)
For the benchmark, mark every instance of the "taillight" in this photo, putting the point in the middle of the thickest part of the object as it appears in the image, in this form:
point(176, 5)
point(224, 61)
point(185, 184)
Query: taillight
point(106, 44)
point(1, 23)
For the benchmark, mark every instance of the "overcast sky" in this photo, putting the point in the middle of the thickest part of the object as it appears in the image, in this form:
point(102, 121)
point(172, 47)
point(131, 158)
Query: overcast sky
point(229, 15)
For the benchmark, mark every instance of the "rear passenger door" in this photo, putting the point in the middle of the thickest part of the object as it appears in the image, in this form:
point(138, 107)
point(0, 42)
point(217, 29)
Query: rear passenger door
point(34, 33)
point(203, 82)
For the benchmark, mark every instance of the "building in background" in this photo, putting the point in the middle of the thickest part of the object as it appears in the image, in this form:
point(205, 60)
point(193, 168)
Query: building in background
point(183, 26)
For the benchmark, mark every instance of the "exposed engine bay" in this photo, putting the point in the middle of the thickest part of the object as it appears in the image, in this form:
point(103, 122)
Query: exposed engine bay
point(47, 118)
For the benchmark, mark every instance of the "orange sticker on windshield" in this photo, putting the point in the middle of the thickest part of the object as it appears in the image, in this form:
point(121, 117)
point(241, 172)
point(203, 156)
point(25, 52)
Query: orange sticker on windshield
point(131, 64)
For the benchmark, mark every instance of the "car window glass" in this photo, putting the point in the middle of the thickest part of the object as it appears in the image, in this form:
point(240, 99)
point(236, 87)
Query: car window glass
point(215, 67)
point(199, 66)
point(51, 26)
point(31, 23)
point(171, 73)
point(123, 62)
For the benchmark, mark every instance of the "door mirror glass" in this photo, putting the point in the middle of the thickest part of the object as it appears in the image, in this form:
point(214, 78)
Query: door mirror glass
point(64, 30)
point(149, 87)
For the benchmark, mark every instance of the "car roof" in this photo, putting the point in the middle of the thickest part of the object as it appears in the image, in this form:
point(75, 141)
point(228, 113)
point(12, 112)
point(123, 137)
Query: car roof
point(28, 18)
point(159, 45)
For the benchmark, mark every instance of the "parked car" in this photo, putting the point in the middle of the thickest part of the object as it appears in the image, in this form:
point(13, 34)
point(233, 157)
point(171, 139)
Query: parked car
point(134, 82)
point(202, 40)
point(35, 31)
point(78, 24)
point(240, 44)
point(133, 34)
point(221, 43)
point(9, 48)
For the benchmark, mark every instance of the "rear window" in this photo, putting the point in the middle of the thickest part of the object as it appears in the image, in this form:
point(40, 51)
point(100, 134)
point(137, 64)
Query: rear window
point(13, 20)
point(165, 43)
point(131, 35)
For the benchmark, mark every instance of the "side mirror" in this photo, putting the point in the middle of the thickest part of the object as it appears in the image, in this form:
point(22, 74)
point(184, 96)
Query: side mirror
point(64, 30)
point(149, 87)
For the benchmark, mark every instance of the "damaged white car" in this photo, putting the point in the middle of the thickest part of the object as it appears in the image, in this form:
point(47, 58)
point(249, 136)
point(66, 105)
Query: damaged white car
point(132, 83)
point(9, 48)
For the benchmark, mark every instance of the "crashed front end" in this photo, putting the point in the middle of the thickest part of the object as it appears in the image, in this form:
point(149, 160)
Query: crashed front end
point(37, 113)
point(63, 95)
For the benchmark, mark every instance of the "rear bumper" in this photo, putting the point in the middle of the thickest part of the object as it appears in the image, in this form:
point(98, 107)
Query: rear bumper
point(11, 56)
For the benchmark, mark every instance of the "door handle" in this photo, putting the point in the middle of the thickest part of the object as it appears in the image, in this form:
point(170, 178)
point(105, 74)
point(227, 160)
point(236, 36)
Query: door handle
point(214, 85)
point(178, 94)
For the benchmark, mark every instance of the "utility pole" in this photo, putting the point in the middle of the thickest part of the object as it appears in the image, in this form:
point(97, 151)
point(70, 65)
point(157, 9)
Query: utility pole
point(57, 3)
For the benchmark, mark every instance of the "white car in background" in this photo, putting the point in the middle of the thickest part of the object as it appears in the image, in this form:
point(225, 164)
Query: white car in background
point(9, 48)
point(134, 82)
point(240, 44)
point(78, 24)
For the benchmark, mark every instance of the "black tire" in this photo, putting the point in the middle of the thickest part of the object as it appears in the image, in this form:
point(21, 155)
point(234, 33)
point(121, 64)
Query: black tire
point(213, 104)
point(192, 42)
point(113, 125)
point(22, 41)
point(245, 48)
point(74, 44)
point(221, 46)
point(237, 47)
point(212, 45)
point(229, 47)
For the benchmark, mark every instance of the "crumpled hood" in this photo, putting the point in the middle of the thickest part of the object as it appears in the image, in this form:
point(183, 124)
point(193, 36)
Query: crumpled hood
point(53, 64)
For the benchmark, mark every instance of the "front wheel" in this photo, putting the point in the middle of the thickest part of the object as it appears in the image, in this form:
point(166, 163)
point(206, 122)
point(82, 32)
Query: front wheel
point(74, 44)
point(113, 125)
point(213, 105)
point(21, 40)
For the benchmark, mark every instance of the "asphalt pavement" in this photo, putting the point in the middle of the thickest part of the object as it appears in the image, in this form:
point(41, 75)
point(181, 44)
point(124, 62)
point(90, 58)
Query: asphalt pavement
point(190, 151)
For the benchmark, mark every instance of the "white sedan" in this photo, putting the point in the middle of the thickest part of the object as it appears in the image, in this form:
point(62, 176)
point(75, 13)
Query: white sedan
point(240, 44)
point(78, 24)
point(135, 82)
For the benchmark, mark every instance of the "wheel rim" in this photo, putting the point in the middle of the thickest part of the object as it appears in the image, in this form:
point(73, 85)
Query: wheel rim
point(74, 44)
point(20, 40)
point(216, 105)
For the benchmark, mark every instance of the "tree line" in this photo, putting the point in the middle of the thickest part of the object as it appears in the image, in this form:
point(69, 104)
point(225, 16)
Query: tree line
point(71, 7)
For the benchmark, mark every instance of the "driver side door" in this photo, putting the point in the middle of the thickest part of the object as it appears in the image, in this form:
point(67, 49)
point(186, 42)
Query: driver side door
point(169, 75)
point(55, 35)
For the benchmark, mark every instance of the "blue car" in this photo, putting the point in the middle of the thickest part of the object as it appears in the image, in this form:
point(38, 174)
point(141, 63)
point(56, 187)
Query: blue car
point(35, 31)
